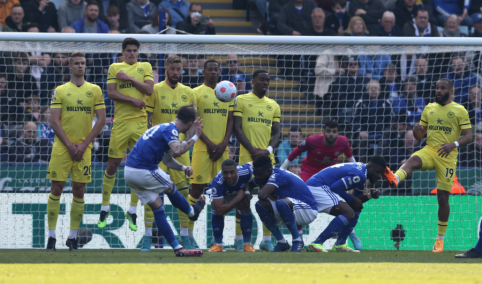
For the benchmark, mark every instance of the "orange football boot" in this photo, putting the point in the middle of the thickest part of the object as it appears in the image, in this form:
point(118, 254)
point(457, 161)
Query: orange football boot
point(216, 248)
point(438, 246)
point(389, 176)
point(249, 248)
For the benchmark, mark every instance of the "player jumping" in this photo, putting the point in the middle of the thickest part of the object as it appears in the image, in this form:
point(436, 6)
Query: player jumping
point(142, 174)
point(443, 121)
point(283, 198)
point(329, 188)
point(229, 190)
point(72, 110)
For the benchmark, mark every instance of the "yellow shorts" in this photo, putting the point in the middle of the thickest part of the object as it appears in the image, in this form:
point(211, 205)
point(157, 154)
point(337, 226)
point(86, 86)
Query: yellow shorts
point(178, 176)
point(125, 134)
point(61, 165)
point(243, 159)
point(444, 167)
point(204, 168)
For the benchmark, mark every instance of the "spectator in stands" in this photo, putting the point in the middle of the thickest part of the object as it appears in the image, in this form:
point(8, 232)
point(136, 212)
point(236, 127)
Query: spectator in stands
point(388, 26)
point(32, 27)
point(327, 70)
point(68, 30)
point(8, 102)
point(28, 148)
point(477, 19)
point(373, 66)
point(274, 9)
point(44, 13)
point(426, 80)
point(348, 89)
point(70, 11)
point(474, 105)
point(420, 26)
point(373, 114)
point(356, 27)
point(20, 82)
point(153, 28)
point(318, 22)
point(405, 11)
point(462, 78)
point(295, 169)
point(113, 18)
point(390, 82)
point(5, 9)
point(234, 75)
point(471, 156)
point(193, 24)
point(295, 137)
point(178, 9)
point(409, 101)
point(139, 14)
point(192, 76)
point(54, 74)
point(452, 27)
point(371, 11)
point(16, 21)
point(338, 20)
point(393, 137)
point(32, 109)
point(444, 9)
point(295, 17)
point(121, 8)
point(90, 23)
point(44, 128)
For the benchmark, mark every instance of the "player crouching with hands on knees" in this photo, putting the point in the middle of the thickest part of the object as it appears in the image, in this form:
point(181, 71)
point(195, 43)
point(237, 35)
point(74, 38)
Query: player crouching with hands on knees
point(229, 189)
point(143, 175)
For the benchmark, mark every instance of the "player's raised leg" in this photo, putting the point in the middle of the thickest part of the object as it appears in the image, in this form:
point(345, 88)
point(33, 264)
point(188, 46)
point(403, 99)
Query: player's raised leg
point(475, 252)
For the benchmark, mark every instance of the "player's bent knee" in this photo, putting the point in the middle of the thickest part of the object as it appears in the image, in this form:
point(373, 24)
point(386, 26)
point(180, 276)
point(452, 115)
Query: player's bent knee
point(156, 204)
point(414, 162)
point(263, 204)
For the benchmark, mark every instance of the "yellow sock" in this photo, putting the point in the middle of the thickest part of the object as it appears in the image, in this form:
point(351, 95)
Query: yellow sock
point(442, 227)
point(401, 174)
point(191, 200)
point(76, 212)
point(134, 198)
point(238, 227)
point(53, 209)
point(107, 186)
point(183, 188)
point(148, 216)
point(266, 232)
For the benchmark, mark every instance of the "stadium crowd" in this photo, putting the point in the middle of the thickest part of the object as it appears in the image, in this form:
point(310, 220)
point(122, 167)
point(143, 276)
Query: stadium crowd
point(386, 94)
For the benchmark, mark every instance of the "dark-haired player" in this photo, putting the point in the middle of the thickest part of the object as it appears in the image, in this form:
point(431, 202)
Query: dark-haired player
point(128, 84)
point(443, 121)
point(212, 149)
point(283, 198)
point(147, 180)
point(329, 188)
point(257, 128)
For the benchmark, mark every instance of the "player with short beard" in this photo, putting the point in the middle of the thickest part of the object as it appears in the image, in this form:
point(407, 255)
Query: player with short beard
point(443, 121)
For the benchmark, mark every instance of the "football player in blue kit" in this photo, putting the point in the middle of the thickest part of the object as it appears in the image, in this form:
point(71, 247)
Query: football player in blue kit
point(329, 188)
point(229, 190)
point(283, 198)
point(143, 175)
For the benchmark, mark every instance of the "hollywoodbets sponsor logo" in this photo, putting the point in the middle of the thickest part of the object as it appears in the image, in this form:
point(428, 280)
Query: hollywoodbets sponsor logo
point(125, 86)
point(446, 129)
point(260, 120)
point(169, 111)
point(223, 112)
point(87, 109)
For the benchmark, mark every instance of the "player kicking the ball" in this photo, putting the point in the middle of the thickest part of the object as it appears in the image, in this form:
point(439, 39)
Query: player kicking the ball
point(443, 121)
point(283, 198)
point(229, 190)
point(329, 188)
point(142, 174)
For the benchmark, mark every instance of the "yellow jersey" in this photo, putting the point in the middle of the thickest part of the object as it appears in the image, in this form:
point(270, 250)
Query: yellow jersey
point(78, 106)
point(214, 114)
point(166, 101)
point(444, 123)
point(141, 71)
point(258, 116)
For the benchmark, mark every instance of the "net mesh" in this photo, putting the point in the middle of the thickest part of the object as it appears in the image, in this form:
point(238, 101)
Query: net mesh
point(312, 84)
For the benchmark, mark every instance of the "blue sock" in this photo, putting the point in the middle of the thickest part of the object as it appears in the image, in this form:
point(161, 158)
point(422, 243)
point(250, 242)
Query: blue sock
point(179, 201)
point(288, 218)
point(345, 232)
point(478, 246)
point(269, 221)
point(217, 223)
point(246, 225)
point(164, 227)
point(333, 228)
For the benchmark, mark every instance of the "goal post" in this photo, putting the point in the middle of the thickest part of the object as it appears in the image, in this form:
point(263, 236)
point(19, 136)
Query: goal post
point(374, 87)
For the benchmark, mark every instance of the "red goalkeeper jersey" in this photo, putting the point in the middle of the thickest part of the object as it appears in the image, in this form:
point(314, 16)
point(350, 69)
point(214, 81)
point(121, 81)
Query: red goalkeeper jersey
point(319, 155)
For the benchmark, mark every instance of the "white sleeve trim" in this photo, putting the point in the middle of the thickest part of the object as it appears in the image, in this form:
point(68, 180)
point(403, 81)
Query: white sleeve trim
point(344, 183)
point(352, 159)
point(273, 184)
point(218, 197)
point(172, 141)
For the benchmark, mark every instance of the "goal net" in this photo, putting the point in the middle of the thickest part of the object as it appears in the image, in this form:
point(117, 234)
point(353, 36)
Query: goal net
point(375, 92)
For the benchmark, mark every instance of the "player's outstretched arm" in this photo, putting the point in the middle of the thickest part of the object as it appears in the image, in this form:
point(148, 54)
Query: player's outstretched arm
point(55, 114)
point(147, 87)
point(99, 124)
point(238, 131)
point(180, 148)
point(113, 94)
point(222, 208)
point(419, 131)
point(171, 163)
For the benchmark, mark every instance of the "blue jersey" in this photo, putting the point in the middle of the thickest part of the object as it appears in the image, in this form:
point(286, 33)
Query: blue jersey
point(152, 146)
point(221, 189)
point(290, 185)
point(341, 178)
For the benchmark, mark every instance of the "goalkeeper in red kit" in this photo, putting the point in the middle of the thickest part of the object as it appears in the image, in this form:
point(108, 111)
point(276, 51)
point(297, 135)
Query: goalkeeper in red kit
point(323, 151)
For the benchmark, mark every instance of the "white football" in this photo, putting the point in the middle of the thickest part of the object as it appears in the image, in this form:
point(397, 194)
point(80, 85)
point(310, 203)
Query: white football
point(225, 91)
